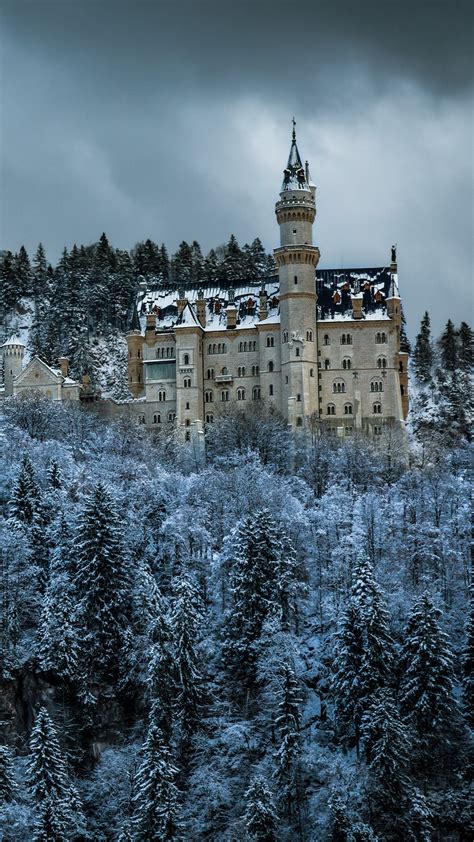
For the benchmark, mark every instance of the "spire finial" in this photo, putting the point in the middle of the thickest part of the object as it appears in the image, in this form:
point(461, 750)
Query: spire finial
point(294, 129)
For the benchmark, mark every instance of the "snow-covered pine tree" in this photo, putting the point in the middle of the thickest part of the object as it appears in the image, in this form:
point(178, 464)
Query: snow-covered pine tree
point(24, 504)
point(7, 779)
point(58, 640)
point(54, 475)
point(186, 623)
point(156, 797)
point(345, 828)
point(377, 656)
point(448, 347)
point(102, 582)
point(262, 576)
point(346, 686)
point(23, 272)
point(40, 274)
point(426, 675)
point(465, 348)
point(422, 359)
point(59, 811)
point(212, 268)
point(468, 662)
point(288, 753)
point(387, 745)
point(261, 819)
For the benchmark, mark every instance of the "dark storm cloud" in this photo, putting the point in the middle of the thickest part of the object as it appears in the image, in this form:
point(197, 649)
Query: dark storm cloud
point(170, 120)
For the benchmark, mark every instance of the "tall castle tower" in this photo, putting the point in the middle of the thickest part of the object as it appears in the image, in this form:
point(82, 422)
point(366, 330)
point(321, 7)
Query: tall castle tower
point(297, 259)
point(13, 353)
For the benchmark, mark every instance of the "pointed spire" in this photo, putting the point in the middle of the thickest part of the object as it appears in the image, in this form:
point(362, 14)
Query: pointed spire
point(294, 176)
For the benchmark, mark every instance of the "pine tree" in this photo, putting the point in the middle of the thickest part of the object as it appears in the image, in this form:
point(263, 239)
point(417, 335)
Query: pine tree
point(468, 662)
point(58, 642)
point(23, 272)
point(182, 264)
point(102, 581)
point(60, 815)
point(261, 819)
point(448, 347)
point(426, 674)
point(233, 268)
point(263, 582)
point(387, 746)
point(346, 682)
point(212, 268)
point(24, 504)
point(197, 262)
point(164, 265)
point(9, 293)
point(288, 724)
point(423, 354)
point(40, 273)
point(465, 348)
point(344, 827)
point(54, 475)
point(185, 620)
point(155, 800)
point(7, 780)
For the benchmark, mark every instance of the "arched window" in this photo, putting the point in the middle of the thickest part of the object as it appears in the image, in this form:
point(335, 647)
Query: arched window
point(187, 383)
point(141, 419)
point(240, 394)
point(381, 362)
point(309, 335)
point(339, 387)
point(270, 341)
point(377, 408)
point(270, 389)
point(171, 416)
point(224, 348)
point(224, 370)
point(209, 349)
point(161, 396)
point(214, 348)
point(219, 347)
point(256, 393)
point(139, 377)
point(376, 386)
point(326, 340)
point(327, 364)
point(157, 418)
point(270, 366)
point(210, 374)
point(209, 396)
point(241, 346)
point(347, 363)
point(209, 418)
point(186, 359)
point(347, 409)
point(297, 352)
point(381, 338)
point(346, 339)
point(331, 409)
point(241, 371)
point(225, 395)
point(311, 372)
point(255, 370)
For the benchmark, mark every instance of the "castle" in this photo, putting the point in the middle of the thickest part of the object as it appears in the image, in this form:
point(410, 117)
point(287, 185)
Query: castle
point(311, 344)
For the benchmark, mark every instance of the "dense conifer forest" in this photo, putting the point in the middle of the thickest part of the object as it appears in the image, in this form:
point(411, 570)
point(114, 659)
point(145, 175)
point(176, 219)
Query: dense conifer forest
point(275, 643)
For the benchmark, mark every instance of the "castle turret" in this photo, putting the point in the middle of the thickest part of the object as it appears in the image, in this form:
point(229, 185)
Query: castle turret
point(135, 355)
point(297, 259)
point(13, 353)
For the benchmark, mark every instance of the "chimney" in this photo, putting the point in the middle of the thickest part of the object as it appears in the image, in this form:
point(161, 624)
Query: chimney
point(181, 301)
point(201, 308)
point(231, 311)
point(357, 306)
point(64, 365)
point(150, 328)
point(263, 304)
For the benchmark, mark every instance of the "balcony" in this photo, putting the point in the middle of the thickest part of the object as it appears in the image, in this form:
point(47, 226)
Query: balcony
point(224, 378)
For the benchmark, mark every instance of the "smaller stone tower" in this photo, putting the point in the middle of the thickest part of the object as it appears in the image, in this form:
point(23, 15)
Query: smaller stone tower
point(13, 353)
point(135, 342)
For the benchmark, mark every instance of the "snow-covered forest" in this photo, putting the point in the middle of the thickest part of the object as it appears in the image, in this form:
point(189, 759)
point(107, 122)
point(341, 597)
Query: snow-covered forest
point(274, 645)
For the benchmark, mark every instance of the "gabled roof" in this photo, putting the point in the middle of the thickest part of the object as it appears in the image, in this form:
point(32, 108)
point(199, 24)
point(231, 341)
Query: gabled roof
point(56, 376)
point(187, 317)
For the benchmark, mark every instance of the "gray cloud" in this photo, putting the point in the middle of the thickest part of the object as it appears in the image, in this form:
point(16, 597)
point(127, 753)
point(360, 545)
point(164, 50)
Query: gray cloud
point(171, 120)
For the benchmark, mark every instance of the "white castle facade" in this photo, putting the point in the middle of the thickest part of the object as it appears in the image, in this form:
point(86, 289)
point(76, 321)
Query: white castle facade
point(312, 344)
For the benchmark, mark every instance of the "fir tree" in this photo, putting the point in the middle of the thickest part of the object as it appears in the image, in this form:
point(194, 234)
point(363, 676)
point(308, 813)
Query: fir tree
point(40, 273)
point(288, 724)
point(448, 348)
point(426, 674)
point(182, 264)
point(212, 267)
point(23, 272)
point(9, 293)
point(54, 475)
point(24, 504)
point(262, 574)
point(7, 780)
point(155, 800)
point(346, 682)
point(197, 262)
point(185, 620)
point(423, 354)
point(59, 810)
point(233, 268)
point(58, 642)
point(468, 662)
point(261, 819)
point(102, 581)
point(465, 348)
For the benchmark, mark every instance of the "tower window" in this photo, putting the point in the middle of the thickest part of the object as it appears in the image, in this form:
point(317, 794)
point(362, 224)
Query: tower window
point(225, 396)
point(186, 359)
point(208, 397)
point(294, 230)
point(347, 409)
point(309, 335)
point(298, 398)
point(270, 341)
point(240, 394)
point(187, 405)
point(377, 408)
point(270, 366)
point(256, 393)
point(187, 383)
point(297, 352)
point(339, 387)
point(296, 280)
point(311, 372)
point(382, 362)
point(376, 386)
point(331, 410)
point(347, 363)
point(270, 389)
point(326, 339)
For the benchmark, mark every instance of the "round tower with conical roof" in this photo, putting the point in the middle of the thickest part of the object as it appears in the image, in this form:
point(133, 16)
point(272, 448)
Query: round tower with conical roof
point(297, 259)
point(13, 352)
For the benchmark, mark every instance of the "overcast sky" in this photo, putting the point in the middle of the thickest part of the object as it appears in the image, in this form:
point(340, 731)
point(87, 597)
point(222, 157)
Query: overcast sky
point(172, 120)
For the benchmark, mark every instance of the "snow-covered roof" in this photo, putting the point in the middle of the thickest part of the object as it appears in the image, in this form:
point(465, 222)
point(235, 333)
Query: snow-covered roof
point(187, 317)
point(14, 340)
